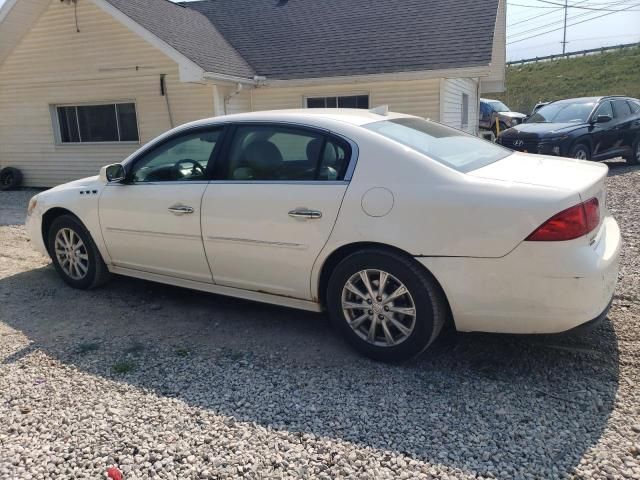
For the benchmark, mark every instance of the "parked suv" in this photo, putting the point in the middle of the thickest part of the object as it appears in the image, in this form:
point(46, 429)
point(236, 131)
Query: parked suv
point(494, 114)
point(590, 128)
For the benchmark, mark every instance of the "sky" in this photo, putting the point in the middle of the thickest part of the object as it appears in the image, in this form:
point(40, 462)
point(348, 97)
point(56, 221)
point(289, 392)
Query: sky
point(526, 18)
point(537, 19)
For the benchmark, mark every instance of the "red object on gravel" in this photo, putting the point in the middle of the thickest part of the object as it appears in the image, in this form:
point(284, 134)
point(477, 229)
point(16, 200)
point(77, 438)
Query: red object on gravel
point(114, 474)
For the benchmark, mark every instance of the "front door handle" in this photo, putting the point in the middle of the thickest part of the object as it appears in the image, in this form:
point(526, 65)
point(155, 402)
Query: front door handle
point(181, 209)
point(305, 213)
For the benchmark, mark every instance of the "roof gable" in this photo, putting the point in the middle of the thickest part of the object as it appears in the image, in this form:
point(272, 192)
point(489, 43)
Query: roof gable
point(308, 38)
point(187, 31)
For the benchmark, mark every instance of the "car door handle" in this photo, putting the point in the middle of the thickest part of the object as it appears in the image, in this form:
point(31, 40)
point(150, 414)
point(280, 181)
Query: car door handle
point(181, 209)
point(305, 213)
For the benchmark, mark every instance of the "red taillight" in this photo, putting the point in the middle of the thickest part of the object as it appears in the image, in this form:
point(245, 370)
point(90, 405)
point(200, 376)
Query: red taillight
point(571, 223)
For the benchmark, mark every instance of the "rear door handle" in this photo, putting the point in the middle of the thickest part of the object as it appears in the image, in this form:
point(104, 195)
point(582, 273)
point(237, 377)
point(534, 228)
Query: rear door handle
point(181, 209)
point(305, 213)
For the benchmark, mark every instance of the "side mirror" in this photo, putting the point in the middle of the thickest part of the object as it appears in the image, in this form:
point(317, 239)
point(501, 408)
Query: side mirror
point(603, 118)
point(113, 173)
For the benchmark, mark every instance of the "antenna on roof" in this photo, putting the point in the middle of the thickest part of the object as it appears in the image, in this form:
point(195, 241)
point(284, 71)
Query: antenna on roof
point(380, 110)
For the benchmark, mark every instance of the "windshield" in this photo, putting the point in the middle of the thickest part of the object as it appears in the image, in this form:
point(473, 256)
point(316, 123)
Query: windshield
point(499, 106)
point(453, 148)
point(563, 112)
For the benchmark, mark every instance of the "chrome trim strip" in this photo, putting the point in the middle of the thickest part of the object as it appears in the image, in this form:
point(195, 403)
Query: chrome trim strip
point(153, 234)
point(280, 182)
point(264, 243)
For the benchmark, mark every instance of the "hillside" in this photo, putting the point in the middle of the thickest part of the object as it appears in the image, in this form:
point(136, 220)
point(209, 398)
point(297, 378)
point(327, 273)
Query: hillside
point(610, 73)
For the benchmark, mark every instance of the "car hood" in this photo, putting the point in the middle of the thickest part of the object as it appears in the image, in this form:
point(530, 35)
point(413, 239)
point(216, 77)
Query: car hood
point(512, 114)
point(546, 128)
point(551, 172)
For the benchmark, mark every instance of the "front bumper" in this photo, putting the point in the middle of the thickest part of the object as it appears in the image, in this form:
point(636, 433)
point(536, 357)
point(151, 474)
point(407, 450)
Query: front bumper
point(33, 225)
point(539, 287)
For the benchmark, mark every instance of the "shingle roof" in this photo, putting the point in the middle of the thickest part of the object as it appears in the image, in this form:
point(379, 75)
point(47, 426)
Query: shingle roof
point(293, 39)
point(188, 32)
point(288, 39)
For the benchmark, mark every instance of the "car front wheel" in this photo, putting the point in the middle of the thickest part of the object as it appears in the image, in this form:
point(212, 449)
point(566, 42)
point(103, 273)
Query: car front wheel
point(581, 152)
point(75, 256)
point(385, 304)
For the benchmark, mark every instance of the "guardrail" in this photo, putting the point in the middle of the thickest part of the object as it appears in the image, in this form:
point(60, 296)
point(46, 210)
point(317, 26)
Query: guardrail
point(573, 54)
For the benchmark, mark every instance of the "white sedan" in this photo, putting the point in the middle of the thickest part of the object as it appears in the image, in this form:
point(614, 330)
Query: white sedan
point(394, 224)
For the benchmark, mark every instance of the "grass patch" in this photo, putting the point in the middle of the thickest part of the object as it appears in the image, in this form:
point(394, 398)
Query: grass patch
point(124, 366)
point(87, 347)
point(608, 73)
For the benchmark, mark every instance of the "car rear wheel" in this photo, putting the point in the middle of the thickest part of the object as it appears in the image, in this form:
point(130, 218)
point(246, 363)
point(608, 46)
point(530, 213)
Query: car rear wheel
point(581, 152)
point(75, 256)
point(385, 304)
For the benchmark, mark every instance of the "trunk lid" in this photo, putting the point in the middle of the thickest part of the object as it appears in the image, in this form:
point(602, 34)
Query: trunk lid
point(584, 178)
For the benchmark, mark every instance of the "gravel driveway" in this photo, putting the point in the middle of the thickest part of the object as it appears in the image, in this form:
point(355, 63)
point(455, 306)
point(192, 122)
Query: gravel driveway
point(163, 382)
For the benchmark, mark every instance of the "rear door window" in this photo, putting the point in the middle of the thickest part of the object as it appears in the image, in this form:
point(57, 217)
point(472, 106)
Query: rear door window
point(285, 153)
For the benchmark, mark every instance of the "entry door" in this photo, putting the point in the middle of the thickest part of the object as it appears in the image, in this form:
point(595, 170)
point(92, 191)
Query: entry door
point(273, 207)
point(152, 222)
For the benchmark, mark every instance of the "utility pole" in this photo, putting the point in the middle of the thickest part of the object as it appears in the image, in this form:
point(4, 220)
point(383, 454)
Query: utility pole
point(564, 34)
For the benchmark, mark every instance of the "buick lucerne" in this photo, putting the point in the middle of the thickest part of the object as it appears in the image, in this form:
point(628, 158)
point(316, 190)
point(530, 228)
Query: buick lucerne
point(394, 224)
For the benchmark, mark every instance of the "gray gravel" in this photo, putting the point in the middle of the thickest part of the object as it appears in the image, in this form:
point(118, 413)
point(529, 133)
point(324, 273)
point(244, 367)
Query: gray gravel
point(163, 382)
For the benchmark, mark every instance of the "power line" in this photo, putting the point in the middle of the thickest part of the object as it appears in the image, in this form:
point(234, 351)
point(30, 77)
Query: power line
point(535, 17)
point(565, 6)
point(556, 22)
point(571, 25)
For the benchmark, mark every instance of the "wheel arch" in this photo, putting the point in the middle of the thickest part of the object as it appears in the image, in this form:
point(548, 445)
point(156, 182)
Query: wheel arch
point(340, 253)
point(584, 138)
point(49, 216)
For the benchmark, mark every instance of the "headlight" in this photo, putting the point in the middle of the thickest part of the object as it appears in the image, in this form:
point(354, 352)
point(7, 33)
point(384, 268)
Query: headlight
point(32, 204)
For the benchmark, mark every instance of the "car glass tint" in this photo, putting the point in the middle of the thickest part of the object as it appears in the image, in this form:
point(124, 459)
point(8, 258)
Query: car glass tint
point(604, 109)
point(621, 109)
point(635, 106)
point(182, 158)
point(499, 106)
point(563, 112)
point(275, 152)
point(453, 148)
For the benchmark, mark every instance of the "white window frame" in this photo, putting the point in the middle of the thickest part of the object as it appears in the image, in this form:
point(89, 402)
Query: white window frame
point(53, 110)
point(336, 95)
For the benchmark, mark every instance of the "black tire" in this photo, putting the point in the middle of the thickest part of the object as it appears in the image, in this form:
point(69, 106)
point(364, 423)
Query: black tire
point(581, 151)
point(97, 273)
point(634, 157)
point(10, 178)
point(430, 303)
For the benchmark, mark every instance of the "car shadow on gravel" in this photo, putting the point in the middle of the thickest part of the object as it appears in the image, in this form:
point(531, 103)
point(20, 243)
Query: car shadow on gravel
point(483, 403)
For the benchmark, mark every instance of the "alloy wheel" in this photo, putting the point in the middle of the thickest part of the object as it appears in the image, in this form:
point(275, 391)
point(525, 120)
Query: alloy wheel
point(580, 155)
point(378, 307)
point(71, 254)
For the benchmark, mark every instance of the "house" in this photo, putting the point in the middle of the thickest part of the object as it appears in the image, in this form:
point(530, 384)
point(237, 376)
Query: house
point(84, 83)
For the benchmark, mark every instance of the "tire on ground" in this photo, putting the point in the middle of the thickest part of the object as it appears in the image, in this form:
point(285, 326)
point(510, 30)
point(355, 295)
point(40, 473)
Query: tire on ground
point(97, 273)
point(429, 299)
point(579, 148)
point(10, 178)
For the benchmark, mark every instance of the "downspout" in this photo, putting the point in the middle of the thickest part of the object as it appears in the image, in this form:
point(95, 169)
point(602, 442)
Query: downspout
point(165, 94)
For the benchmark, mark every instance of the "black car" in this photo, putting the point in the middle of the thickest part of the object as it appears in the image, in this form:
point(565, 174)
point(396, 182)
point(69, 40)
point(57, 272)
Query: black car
point(590, 128)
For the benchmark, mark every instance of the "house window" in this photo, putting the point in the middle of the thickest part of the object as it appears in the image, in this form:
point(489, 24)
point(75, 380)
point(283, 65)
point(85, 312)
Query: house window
point(344, 101)
point(465, 110)
point(106, 122)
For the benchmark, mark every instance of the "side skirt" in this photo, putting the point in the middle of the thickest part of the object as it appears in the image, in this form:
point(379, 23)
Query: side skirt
point(219, 289)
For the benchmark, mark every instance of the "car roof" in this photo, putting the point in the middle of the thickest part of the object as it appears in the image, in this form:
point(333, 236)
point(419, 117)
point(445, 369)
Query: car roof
point(352, 116)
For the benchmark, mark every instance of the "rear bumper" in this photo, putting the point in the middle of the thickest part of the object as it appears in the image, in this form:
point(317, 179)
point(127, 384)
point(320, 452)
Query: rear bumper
point(539, 287)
